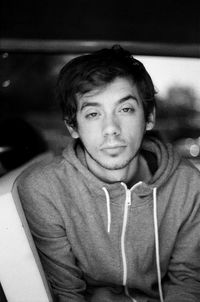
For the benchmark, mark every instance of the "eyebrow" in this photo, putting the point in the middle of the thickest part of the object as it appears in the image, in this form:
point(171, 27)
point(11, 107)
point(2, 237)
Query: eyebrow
point(128, 97)
point(120, 101)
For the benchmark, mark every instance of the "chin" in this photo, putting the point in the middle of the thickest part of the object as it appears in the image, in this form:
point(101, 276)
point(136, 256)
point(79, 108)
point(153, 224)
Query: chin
point(115, 165)
point(114, 175)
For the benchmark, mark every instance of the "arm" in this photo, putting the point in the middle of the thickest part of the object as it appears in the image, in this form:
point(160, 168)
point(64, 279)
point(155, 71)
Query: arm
point(184, 267)
point(51, 240)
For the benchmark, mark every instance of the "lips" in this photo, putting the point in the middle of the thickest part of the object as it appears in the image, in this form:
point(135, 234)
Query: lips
point(113, 150)
point(113, 147)
point(116, 146)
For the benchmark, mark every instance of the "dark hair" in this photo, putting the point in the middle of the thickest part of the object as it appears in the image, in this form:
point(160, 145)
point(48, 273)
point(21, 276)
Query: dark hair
point(91, 71)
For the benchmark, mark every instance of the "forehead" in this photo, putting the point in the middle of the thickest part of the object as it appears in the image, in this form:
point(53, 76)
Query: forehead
point(118, 89)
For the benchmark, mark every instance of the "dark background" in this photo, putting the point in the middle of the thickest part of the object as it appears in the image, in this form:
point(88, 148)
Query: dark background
point(168, 21)
point(38, 37)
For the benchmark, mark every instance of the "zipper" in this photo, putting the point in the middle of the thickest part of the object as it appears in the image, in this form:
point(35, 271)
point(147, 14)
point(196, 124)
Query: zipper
point(125, 219)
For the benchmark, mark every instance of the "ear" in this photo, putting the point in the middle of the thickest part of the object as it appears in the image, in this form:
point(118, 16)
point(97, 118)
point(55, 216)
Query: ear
point(73, 132)
point(151, 120)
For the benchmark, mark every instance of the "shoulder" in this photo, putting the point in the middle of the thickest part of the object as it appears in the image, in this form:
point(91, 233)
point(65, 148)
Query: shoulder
point(186, 179)
point(40, 175)
point(186, 184)
point(38, 199)
point(188, 170)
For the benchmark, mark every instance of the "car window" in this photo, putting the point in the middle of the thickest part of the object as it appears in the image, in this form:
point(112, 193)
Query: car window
point(27, 91)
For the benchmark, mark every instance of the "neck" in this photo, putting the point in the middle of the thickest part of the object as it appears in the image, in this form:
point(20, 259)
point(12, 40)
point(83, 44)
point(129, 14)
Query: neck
point(143, 172)
point(137, 170)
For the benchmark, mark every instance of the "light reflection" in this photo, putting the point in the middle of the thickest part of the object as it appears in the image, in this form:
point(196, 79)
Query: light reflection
point(4, 149)
point(194, 150)
point(5, 55)
point(6, 83)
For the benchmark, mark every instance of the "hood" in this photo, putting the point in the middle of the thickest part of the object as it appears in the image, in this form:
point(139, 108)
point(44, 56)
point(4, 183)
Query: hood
point(161, 158)
point(162, 162)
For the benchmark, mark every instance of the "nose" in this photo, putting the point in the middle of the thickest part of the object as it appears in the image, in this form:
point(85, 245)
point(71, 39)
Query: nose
point(111, 126)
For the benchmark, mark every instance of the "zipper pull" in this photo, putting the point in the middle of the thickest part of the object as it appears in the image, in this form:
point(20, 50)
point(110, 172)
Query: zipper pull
point(128, 197)
point(128, 194)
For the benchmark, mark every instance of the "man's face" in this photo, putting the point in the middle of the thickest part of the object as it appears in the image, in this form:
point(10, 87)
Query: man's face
point(111, 125)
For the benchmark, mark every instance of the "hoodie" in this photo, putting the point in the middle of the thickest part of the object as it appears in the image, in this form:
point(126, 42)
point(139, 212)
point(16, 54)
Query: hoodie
point(101, 242)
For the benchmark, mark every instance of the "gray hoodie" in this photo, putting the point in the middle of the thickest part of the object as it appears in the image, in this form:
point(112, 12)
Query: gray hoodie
point(104, 242)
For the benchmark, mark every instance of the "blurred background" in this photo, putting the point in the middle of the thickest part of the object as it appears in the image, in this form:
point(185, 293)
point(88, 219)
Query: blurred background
point(37, 39)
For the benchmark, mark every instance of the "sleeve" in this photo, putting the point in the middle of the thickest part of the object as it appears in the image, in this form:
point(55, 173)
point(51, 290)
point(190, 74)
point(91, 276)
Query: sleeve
point(49, 235)
point(184, 267)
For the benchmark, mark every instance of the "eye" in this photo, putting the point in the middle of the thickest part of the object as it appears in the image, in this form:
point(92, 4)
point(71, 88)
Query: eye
point(92, 115)
point(127, 109)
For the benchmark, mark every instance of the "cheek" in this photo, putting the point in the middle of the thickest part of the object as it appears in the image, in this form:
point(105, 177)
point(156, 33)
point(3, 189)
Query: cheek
point(90, 136)
point(135, 127)
point(90, 132)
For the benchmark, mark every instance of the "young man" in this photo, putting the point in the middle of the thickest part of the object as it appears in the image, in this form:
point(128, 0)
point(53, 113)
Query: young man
point(117, 216)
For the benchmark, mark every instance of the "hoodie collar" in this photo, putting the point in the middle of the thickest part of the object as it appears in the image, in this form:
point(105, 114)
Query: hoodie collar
point(166, 160)
point(75, 156)
point(160, 157)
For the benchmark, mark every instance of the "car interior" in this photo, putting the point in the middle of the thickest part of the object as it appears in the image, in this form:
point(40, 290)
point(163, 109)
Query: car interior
point(37, 39)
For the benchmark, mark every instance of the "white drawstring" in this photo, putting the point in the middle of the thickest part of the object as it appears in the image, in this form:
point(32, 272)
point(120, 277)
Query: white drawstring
point(108, 209)
point(155, 220)
point(155, 234)
point(128, 295)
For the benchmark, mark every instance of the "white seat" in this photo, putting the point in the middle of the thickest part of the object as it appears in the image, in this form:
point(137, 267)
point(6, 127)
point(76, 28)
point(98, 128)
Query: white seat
point(21, 273)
